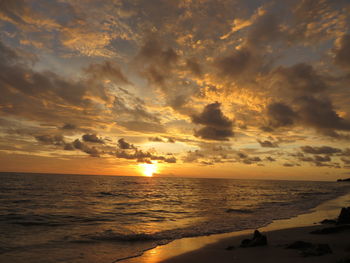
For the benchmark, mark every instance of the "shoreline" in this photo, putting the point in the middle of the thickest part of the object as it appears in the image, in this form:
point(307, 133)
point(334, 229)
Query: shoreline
point(201, 248)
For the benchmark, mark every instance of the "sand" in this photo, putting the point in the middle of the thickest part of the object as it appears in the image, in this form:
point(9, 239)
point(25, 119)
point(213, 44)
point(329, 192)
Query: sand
point(212, 249)
point(275, 251)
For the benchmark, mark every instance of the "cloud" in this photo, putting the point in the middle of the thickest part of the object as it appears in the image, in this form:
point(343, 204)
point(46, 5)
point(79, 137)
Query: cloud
point(133, 114)
point(48, 97)
point(238, 62)
point(300, 79)
point(107, 70)
point(122, 144)
point(194, 67)
point(216, 125)
point(51, 139)
point(156, 62)
point(270, 159)
point(69, 126)
point(320, 113)
point(129, 151)
point(280, 115)
point(320, 150)
point(92, 151)
point(92, 138)
point(155, 139)
point(309, 111)
point(268, 144)
point(59, 140)
point(342, 53)
point(289, 165)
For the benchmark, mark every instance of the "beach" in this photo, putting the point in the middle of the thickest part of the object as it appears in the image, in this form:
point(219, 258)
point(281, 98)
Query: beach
point(280, 234)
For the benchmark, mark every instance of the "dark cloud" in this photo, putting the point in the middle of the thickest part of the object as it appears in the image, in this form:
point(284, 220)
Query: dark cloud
point(69, 126)
point(345, 160)
point(216, 125)
point(342, 53)
point(155, 139)
point(310, 111)
point(122, 144)
point(51, 139)
point(142, 156)
point(320, 150)
point(156, 62)
point(194, 67)
point(242, 155)
point(320, 114)
point(268, 144)
point(58, 140)
point(289, 165)
point(92, 151)
point(236, 63)
point(107, 71)
point(13, 10)
point(133, 115)
point(92, 138)
point(300, 79)
point(280, 115)
point(171, 140)
point(319, 158)
point(131, 152)
point(266, 29)
point(251, 160)
point(270, 159)
point(160, 139)
point(45, 96)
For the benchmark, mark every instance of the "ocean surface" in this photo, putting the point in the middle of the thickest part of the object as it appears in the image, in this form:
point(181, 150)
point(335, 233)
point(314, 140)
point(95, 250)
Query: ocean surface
point(84, 218)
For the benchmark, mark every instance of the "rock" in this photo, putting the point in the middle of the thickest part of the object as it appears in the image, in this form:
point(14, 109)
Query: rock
point(317, 250)
point(329, 222)
point(344, 216)
point(257, 240)
point(299, 245)
point(230, 248)
point(344, 180)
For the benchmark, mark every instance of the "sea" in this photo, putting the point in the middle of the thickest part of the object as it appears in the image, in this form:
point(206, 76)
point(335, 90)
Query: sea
point(55, 218)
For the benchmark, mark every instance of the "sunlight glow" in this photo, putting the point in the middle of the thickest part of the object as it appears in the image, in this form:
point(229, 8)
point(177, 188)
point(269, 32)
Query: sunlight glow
point(148, 169)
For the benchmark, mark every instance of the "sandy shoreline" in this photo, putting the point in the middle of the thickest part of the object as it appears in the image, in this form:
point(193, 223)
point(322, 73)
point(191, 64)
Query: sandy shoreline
point(279, 233)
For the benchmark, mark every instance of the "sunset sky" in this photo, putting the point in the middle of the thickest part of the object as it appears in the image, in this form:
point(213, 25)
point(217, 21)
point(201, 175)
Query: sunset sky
point(208, 88)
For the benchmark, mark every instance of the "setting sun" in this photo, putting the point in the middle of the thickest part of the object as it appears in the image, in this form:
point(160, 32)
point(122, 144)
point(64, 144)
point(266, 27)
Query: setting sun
point(148, 169)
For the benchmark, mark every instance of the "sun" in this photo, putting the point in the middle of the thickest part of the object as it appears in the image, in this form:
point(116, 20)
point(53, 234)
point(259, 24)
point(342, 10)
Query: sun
point(148, 169)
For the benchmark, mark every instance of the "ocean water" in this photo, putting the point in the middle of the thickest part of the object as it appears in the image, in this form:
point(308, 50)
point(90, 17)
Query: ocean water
point(84, 218)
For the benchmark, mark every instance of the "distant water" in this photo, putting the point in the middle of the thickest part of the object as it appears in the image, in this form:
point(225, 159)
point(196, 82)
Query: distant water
point(83, 218)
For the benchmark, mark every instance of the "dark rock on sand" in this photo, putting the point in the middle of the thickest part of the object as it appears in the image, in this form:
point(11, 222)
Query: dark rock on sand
point(257, 240)
point(300, 245)
point(344, 216)
point(317, 250)
point(344, 180)
point(343, 223)
point(329, 222)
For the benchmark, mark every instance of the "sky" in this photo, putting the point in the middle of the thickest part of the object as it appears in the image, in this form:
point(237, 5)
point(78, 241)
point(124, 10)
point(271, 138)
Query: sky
point(198, 88)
